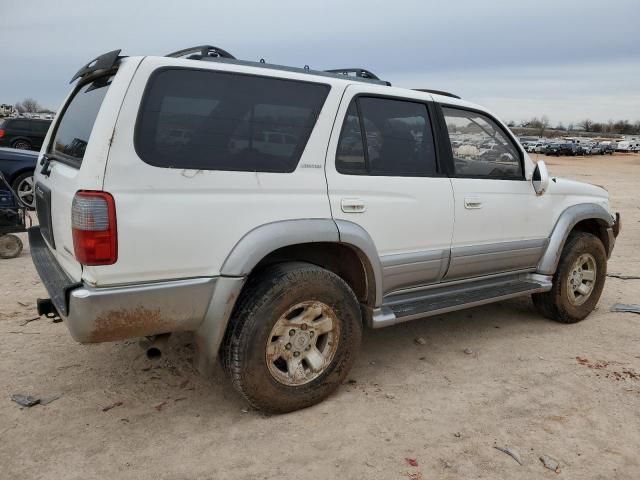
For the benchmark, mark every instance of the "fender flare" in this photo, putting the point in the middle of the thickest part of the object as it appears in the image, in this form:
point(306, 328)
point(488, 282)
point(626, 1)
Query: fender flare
point(265, 239)
point(568, 219)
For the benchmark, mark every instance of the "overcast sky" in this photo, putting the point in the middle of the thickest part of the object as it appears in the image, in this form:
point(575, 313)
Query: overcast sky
point(567, 59)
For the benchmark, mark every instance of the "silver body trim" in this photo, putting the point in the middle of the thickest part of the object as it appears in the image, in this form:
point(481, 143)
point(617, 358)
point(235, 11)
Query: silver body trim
point(384, 316)
point(474, 260)
point(410, 269)
point(262, 240)
point(356, 236)
point(114, 313)
point(567, 220)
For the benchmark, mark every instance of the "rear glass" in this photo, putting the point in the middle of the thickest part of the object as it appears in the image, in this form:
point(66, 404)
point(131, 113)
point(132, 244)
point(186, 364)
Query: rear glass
point(74, 129)
point(222, 121)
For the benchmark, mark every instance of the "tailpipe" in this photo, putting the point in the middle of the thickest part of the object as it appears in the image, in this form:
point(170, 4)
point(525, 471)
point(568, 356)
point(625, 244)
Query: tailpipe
point(157, 344)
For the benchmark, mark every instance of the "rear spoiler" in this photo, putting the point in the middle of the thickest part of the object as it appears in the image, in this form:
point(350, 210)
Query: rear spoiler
point(102, 63)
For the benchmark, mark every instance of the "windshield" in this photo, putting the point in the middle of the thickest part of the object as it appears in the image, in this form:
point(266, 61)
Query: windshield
point(74, 129)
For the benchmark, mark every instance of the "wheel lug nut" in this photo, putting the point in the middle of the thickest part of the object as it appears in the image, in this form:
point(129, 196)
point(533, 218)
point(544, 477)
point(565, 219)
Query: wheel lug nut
point(303, 326)
point(311, 333)
point(296, 354)
point(292, 332)
point(288, 346)
point(308, 347)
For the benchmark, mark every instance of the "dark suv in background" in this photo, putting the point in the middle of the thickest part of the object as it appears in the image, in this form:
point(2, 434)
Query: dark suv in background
point(23, 133)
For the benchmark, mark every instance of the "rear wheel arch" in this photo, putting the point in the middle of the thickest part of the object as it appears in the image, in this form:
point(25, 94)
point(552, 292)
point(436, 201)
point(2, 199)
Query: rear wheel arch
point(338, 246)
point(345, 260)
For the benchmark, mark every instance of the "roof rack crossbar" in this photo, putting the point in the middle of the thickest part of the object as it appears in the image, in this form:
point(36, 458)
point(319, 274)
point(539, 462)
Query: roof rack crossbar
point(201, 51)
point(106, 61)
point(437, 92)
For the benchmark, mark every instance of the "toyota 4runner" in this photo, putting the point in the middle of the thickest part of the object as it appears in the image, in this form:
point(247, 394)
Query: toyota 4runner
point(276, 212)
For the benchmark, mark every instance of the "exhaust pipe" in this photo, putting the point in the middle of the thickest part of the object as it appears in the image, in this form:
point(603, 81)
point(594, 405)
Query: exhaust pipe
point(157, 344)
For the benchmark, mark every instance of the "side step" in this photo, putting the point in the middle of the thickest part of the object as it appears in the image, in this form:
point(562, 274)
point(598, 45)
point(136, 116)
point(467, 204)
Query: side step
point(410, 306)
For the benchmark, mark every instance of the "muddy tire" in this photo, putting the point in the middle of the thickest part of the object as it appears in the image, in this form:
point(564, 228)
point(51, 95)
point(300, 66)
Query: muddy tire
point(292, 338)
point(578, 281)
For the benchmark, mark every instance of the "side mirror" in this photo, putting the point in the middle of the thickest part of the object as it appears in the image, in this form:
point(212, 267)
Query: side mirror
point(540, 178)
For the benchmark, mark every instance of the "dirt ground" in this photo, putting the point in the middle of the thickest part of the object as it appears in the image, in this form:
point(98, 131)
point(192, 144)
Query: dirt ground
point(497, 375)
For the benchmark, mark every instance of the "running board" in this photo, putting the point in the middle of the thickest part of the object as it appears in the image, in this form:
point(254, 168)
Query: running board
point(410, 306)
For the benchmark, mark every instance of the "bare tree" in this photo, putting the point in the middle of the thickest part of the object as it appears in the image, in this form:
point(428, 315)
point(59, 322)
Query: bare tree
point(29, 105)
point(544, 124)
point(586, 125)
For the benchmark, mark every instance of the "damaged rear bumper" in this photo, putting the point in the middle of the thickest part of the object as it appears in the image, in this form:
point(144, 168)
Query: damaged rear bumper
point(103, 314)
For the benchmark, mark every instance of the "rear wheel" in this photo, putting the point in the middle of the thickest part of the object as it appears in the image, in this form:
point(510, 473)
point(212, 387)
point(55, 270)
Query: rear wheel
point(10, 246)
point(578, 281)
point(21, 145)
point(23, 186)
point(292, 338)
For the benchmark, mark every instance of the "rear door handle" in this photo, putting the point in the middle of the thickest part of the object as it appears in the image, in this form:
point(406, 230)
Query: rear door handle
point(352, 205)
point(472, 203)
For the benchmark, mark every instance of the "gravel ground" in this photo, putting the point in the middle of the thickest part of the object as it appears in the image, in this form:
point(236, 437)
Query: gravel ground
point(498, 375)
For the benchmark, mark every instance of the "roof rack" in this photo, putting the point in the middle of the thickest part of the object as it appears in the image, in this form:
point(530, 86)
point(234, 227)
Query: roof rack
point(437, 92)
point(103, 62)
point(357, 72)
point(200, 52)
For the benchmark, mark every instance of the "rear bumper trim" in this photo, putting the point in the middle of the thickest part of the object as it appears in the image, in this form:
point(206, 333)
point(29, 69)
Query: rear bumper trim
point(55, 279)
point(106, 314)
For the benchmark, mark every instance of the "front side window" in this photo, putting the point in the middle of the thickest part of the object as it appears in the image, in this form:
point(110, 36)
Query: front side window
point(74, 129)
point(209, 120)
point(480, 147)
point(397, 139)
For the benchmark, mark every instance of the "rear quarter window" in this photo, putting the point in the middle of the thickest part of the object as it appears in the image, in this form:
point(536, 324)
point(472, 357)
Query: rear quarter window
point(207, 120)
point(74, 128)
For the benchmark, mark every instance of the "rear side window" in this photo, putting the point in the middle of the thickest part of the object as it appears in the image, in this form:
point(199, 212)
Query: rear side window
point(386, 137)
point(74, 129)
point(225, 121)
point(480, 147)
point(41, 127)
point(18, 124)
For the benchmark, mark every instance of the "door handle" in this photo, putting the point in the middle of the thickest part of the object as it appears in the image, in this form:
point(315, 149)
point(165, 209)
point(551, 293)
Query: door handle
point(472, 203)
point(352, 205)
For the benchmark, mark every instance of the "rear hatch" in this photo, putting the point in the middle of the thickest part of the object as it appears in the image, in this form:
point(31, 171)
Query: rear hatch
point(74, 154)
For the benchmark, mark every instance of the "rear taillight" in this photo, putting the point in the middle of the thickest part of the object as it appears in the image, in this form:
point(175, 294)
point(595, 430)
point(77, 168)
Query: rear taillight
point(93, 221)
point(1, 133)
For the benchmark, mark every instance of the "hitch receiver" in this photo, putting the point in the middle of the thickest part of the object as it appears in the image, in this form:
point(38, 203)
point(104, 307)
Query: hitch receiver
point(48, 309)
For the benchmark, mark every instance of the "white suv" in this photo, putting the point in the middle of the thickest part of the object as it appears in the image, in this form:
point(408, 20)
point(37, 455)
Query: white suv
point(275, 212)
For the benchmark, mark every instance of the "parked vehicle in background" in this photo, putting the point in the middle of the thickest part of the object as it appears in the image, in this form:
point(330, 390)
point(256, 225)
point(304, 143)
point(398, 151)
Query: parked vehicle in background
point(551, 149)
point(533, 146)
point(23, 133)
point(18, 167)
point(541, 147)
point(307, 205)
point(569, 149)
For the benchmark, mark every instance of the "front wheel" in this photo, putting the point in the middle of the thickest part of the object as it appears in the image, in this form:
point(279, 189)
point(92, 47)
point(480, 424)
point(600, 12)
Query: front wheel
point(293, 337)
point(578, 281)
